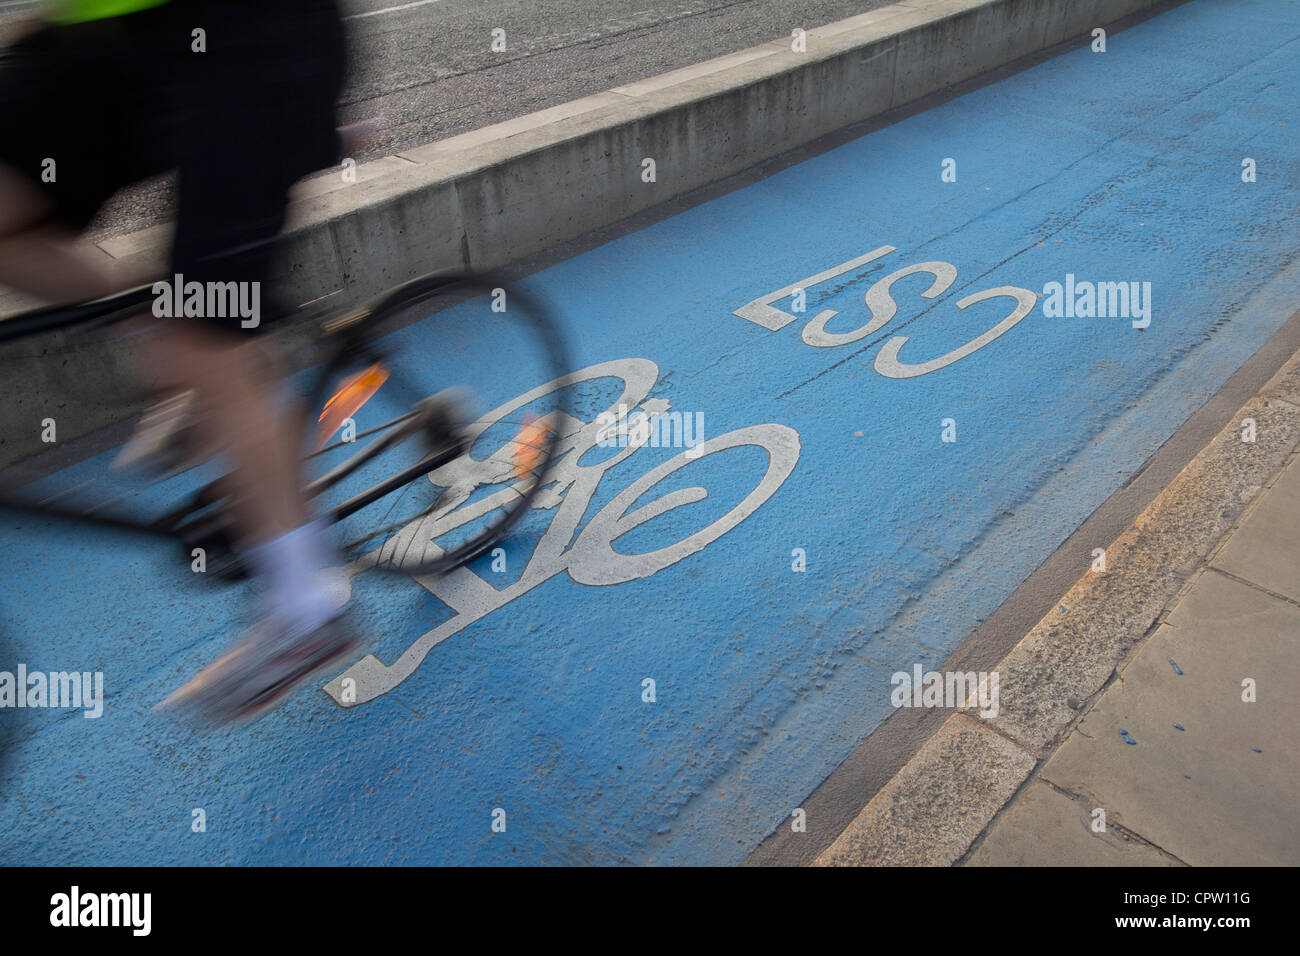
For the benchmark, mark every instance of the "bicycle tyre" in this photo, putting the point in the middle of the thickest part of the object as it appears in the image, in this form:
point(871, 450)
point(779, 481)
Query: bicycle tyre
point(360, 336)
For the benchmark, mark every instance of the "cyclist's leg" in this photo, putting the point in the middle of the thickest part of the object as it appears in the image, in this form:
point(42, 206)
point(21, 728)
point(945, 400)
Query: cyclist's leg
point(238, 410)
point(262, 116)
point(260, 126)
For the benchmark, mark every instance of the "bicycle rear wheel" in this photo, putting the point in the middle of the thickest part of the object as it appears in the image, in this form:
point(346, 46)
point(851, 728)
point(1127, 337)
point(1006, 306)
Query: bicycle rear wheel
point(435, 424)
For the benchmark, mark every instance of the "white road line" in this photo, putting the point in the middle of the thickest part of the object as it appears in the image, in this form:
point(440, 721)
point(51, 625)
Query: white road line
point(400, 6)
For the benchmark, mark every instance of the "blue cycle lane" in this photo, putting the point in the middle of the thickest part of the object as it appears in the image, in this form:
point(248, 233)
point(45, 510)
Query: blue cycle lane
point(665, 683)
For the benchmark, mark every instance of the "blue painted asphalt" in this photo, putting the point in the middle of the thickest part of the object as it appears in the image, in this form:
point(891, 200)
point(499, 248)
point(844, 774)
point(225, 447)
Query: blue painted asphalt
point(1124, 166)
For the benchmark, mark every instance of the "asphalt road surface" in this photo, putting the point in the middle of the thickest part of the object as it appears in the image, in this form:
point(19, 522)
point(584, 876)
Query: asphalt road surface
point(428, 67)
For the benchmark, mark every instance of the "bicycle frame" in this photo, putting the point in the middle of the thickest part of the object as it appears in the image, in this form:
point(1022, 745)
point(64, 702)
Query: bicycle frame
point(350, 339)
point(177, 522)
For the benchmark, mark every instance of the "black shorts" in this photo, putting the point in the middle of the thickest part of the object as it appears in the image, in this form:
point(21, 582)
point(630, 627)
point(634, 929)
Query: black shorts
point(115, 101)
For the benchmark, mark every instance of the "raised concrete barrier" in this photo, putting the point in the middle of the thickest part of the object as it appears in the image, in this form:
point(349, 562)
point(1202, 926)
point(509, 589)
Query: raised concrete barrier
point(488, 198)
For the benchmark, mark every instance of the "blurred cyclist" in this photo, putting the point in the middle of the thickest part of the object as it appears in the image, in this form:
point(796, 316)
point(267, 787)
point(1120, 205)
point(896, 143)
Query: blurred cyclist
point(238, 97)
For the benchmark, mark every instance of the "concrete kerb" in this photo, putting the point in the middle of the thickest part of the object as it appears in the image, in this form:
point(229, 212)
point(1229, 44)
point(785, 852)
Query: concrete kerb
point(492, 197)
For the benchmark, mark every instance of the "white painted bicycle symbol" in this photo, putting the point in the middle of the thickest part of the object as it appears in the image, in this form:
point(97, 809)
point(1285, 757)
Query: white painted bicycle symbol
point(591, 558)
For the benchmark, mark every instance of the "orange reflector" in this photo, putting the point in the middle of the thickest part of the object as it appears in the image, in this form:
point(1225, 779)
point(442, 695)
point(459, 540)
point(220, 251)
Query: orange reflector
point(529, 444)
point(347, 401)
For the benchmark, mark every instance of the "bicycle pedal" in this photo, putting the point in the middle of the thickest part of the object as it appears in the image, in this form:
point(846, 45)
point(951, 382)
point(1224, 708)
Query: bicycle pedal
point(447, 417)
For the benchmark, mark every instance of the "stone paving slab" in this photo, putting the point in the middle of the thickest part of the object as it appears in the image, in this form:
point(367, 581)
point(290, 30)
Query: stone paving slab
point(1266, 549)
point(1048, 828)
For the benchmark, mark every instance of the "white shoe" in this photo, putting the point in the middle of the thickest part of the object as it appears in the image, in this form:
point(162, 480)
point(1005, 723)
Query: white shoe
point(259, 672)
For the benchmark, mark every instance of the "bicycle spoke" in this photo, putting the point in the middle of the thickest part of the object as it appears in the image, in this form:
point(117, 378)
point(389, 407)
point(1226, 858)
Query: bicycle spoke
point(365, 434)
